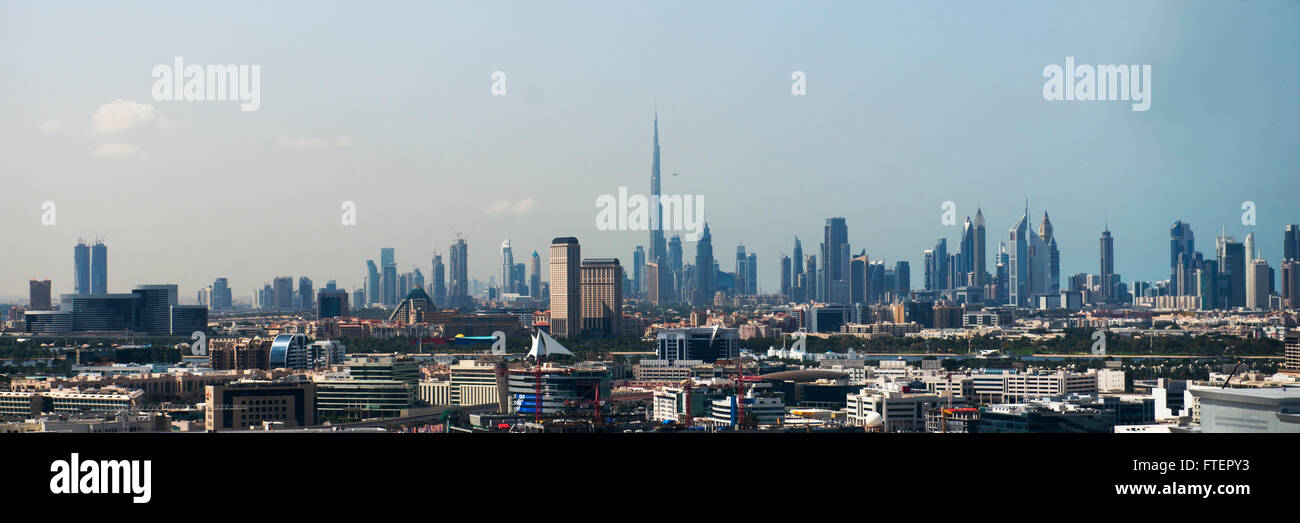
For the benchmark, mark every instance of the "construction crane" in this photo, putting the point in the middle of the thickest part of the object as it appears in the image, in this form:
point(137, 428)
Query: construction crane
point(690, 416)
point(740, 392)
point(595, 403)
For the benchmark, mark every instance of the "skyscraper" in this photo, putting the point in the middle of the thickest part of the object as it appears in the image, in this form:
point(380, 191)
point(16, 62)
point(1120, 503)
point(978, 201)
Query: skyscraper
point(798, 285)
point(751, 273)
point(1107, 264)
point(154, 306)
point(1259, 284)
point(835, 256)
point(373, 289)
point(439, 281)
point(221, 295)
point(602, 296)
point(963, 269)
point(386, 256)
point(638, 271)
point(519, 279)
point(458, 276)
point(38, 295)
point(1291, 284)
point(670, 279)
point(99, 268)
point(786, 272)
point(738, 288)
point(1053, 255)
point(903, 280)
point(652, 283)
point(980, 265)
point(1182, 253)
point(507, 268)
point(282, 293)
point(81, 268)
point(306, 295)
point(535, 277)
point(566, 287)
point(1232, 272)
point(860, 278)
point(1291, 242)
point(390, 284)
point(1029, 263)
point(810, 278)
point(657, 253)
point(705, 276)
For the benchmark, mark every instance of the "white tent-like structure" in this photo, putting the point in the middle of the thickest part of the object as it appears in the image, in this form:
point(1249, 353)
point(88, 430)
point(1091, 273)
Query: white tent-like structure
point(545, 345)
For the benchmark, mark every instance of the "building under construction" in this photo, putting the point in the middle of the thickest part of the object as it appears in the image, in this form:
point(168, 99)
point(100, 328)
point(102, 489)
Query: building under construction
point(562, 389)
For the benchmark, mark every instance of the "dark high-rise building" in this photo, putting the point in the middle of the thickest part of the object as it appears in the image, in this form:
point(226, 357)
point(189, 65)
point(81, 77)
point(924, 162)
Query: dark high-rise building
point(99, 268)
point(390, 284)
point(81, 268)
point(980, 265)
point(1232, 272)
point(835, 259)
point(154, 308)
point(1291, 242)
point(962, 268)
point(38, 296)
point(751, 273)
point(1053, 255)
point(1182, 253)
point(386, 256)
point(221, 295)
point(903, 280)
point(1107, 265)
point(638, 271)
point(1291, 284)
point(439, 281)
point(282, 294)
point(373, 288)
point(786, 273)
point(519, 279)
point(670, 279)
point(566, 287)
point(876, 276)
point(810, 278)
point(705, 275)
point(458, 274)
point(306, 294)
point(798, 258)
point(860, 278)
point(738, 287)
point(332, 304)
point(1207, 284)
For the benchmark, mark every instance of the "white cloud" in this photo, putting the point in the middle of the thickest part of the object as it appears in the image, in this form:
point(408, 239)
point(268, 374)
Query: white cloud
point(51, 126)
point(315, 143)
point(116, 150)
point(506, 207)
point(122, 115)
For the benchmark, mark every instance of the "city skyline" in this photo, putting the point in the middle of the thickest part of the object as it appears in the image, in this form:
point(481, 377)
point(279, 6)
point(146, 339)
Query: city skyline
point(795, 163)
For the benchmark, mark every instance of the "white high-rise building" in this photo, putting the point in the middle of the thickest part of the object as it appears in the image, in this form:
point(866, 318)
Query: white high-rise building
point(507, 267)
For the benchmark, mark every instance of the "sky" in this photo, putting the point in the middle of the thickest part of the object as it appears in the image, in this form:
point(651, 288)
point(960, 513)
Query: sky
point(390, 105)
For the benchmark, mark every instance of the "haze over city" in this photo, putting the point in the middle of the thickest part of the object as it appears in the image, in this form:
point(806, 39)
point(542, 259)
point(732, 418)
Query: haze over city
point(908, 105)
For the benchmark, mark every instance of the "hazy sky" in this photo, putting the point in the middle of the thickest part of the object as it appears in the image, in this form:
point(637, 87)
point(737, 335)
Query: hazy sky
point(389, 105)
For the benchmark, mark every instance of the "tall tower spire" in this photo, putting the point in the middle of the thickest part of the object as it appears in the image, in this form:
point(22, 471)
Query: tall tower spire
point(657, 246)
